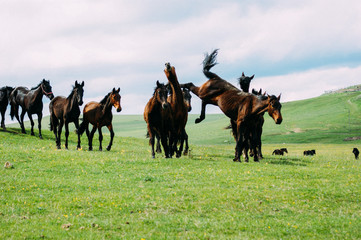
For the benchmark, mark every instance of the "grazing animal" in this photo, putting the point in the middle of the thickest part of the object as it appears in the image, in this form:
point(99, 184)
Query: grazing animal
point(244, 82)
point(31, 102)
point(242, 108)
point(179, 111)
point(157, 115)
point(309, 152)
point(99, 115)
point(4, 101)
point(356, 152)
point(64, 111)
point(280, 151)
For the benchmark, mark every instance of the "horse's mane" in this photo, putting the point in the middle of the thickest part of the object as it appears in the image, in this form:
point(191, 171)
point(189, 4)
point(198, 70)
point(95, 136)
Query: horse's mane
point(104, 101)
point(36, 87)
point(209, 62)
point(71, 93)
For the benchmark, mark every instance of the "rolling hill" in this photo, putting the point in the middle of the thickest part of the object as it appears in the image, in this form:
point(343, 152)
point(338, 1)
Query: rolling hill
point(329, 118)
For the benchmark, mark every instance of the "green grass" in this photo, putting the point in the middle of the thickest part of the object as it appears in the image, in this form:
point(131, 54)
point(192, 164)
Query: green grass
point(125, 194)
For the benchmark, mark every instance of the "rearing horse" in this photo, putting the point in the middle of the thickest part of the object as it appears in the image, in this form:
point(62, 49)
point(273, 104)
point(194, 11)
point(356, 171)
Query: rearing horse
point(239, 106)
point(31, 102)
point(179, 110)
point(99, 115)
point(64, 111)
point(4, 101)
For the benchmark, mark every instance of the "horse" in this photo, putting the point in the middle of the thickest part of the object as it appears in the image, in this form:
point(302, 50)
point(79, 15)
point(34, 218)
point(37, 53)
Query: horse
point(280, 151)
point(31, 102)
point(356, 152)
point(4, 101)
point(309, 152)
point(179, 110)
point(99, 115)
point(244, 82)
point(64, 111)
point(242, 108)
point(157, 115)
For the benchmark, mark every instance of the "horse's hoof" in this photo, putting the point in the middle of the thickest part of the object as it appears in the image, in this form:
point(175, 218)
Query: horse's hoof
point(58, 147)
point(108, 148)
point(236, 160)
point(41, 137)
point(90, 149)
point(185, 153)
point(198, 120)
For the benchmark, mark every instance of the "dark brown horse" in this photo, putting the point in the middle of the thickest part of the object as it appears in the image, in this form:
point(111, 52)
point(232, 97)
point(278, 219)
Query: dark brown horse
point(179, 110)
point(280, 151)
point(157, 115)
point(64, 111)
point(242, 108)
point(4, 101)
point(31, 102)
point(244, 82)
point(99, 115)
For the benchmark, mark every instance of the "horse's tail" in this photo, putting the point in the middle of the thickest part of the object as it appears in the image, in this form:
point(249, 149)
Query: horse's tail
point(209, 62)
point(13, 107)
point(82, 127)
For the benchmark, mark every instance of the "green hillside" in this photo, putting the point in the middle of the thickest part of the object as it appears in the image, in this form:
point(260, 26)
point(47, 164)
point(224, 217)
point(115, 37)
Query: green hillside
point(329, 118)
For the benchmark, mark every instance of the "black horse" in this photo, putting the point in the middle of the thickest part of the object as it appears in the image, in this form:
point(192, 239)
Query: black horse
point(4, 101)
point(31, 102)
point(64, 111)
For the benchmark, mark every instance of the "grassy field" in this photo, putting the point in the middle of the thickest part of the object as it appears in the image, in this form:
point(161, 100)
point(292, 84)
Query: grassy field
point(125, 194)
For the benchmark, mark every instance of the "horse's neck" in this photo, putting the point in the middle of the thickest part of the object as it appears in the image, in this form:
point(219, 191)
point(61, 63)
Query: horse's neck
point(73, 101)
point(177, 94)
point(107, 107)
point(260, 107)
point(38, 94)
point(154, 103)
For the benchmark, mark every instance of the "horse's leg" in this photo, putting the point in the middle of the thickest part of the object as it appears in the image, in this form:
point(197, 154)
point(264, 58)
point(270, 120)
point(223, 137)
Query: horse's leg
point(166, 146)
point(76, 123)
point(40, 116)
point(66, 134)
point(159, 149)
point(110, 127)
point(3, 119)
point(31, 123)
point(151, 140)
point(185, 153)
point(180, 150)
point(100, 138)
point(60, 128)
point(90, 137)
point(239, 141)
point(203, 113)
point(54, 126)
point(21, 121)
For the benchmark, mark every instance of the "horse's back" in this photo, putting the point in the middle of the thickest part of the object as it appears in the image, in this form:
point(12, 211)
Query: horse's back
point(56, 106)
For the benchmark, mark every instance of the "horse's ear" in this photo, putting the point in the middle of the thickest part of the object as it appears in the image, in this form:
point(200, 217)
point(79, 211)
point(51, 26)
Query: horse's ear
point(76, 82)
point(82, 83)
point(118, 90)
point(252, 77)
point(242, 74)
point(158, 83)
point(279, 97)
point(113, 90)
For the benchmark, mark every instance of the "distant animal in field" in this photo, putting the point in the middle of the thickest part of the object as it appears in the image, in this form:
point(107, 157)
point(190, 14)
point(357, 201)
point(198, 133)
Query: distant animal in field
point(309, 152)
point(242, 108)
point(158, 116)
point(356, 152)
point(280, 151)
point(4, 101)
point(64, 111)
point(31, 102)
point(99, 115)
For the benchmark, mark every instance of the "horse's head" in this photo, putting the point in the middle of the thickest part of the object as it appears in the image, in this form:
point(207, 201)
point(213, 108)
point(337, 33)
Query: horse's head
point(244, 81)
point(115, 99)
point(161, 94)
point(274, 108)
point(79, 91)
point(46, 88)
point(187, 98)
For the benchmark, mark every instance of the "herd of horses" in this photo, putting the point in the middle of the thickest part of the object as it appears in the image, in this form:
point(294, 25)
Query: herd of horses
point(166, 112)
point(63, 110)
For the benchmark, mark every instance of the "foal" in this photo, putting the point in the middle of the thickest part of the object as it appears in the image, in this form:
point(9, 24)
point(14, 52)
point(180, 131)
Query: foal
point(64, 111)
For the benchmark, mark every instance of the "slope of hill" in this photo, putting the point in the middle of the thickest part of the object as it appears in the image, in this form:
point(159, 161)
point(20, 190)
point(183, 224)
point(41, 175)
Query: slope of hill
point(330, 118)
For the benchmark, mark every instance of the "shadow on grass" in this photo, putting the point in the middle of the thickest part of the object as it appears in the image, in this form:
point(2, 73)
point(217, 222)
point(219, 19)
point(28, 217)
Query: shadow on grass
point(288, 161)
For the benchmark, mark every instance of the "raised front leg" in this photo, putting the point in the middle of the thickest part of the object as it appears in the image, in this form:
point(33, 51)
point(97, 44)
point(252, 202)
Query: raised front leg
point(203, 113)
point(110, 127)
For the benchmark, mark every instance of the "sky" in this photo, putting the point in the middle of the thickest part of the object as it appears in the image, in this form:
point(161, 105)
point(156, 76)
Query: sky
point(299, 49)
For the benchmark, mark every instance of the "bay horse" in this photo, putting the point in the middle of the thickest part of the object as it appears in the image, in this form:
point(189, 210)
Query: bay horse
point(179, 110)
point(4, 101)
point(31, 102)
point(157, 115)
point(64, 110)
point(242, 108)
point(99, 115)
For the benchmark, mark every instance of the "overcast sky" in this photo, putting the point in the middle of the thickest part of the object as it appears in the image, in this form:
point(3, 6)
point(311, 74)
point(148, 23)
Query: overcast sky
point(298, 48)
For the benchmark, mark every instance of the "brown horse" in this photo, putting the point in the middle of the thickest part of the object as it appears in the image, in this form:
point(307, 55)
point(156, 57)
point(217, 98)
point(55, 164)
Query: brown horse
point(244, 82)
point(64, 111)
point(157, 115)
point(99, 115)
point(242, 108)
point(31, 102)
point(179, 110)
point(4, 101)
